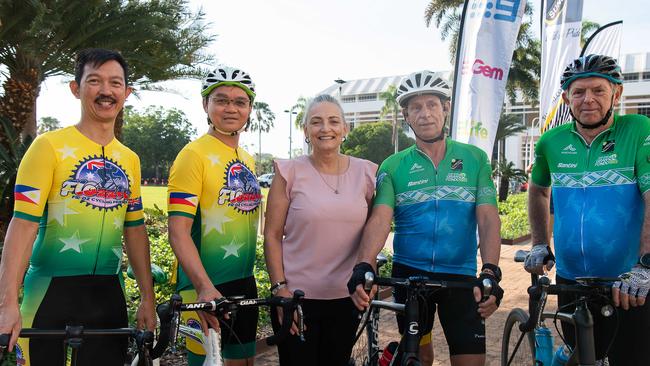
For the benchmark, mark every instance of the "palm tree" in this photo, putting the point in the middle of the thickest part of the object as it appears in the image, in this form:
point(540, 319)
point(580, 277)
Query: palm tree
point(161, 40)
point(263, 121)
point(506, 172)
point(509, 125)
point(299, 107)
point(588, 29)
point(389, 96)
point(525, 68)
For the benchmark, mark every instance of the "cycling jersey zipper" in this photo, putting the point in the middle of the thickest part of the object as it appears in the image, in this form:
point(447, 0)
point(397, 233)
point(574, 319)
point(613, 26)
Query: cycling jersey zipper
point(584, 195)
point(435, 220)
point(101, 228)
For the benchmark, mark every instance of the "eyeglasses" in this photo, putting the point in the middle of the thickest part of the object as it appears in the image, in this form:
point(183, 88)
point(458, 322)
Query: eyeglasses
point(240, 103)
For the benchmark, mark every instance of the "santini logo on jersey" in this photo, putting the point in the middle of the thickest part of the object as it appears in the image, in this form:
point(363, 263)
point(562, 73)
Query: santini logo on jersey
point(418, 182)
point(27, 194)
point(567, 165)
point(180, 198)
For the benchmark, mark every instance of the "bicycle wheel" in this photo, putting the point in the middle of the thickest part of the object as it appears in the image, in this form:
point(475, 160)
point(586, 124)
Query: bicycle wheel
point(524, 354)
point(362, 352)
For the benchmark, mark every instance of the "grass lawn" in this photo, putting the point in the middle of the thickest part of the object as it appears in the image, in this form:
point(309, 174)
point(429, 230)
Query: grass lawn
point(158, 195)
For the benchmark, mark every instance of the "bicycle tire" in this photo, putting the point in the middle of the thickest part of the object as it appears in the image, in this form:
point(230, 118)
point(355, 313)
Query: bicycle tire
point(362, 350)
point(525, 353)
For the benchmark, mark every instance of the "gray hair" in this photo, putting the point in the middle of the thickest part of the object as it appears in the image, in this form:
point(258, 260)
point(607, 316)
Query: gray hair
point(322, 98)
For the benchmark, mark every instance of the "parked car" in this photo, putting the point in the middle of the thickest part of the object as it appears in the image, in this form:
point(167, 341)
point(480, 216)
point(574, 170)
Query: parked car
point(265, 180)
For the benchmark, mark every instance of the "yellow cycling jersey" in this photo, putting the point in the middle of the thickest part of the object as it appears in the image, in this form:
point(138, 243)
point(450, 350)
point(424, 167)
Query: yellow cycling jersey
point(215, 186)
point(82, 194)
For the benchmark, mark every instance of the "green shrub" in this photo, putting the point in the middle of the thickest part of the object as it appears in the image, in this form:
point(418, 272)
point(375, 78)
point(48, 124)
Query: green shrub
point(514, 216)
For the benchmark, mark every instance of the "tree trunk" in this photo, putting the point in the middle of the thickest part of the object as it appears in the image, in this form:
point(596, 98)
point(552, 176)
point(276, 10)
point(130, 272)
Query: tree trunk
point(503, 187)
point(119, 123)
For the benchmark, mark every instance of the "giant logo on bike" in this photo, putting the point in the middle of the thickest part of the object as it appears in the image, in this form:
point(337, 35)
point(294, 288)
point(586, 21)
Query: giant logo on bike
point(98, 182)
point(240, 189)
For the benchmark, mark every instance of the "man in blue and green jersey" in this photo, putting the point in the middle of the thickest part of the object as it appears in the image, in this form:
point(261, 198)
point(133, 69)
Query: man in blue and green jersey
point(598, 168)
point(437, 192)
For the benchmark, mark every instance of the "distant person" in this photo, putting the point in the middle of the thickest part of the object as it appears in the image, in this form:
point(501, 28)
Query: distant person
point(214, 201)
point(317, 206)
point(77, 195)
point(598, 169)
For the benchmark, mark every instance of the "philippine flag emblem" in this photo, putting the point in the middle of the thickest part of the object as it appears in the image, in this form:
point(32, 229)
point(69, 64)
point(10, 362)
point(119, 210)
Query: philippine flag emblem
point(27, 194)
point(179, 198)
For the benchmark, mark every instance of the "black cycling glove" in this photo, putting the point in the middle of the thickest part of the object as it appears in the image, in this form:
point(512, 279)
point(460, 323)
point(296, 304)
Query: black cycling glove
point(359, 276)
point(497, 291)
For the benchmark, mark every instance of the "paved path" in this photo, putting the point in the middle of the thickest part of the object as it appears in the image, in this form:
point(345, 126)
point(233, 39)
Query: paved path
point(515, 282)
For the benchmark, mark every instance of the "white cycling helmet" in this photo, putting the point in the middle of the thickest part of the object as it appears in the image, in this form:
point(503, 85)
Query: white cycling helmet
point(226, 75)
point(422, 82)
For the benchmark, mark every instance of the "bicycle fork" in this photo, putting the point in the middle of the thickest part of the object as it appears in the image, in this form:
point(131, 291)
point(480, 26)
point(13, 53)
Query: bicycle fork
point(411, 341)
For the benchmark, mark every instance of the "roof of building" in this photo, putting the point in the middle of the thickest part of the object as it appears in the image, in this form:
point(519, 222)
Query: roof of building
point(367, 86)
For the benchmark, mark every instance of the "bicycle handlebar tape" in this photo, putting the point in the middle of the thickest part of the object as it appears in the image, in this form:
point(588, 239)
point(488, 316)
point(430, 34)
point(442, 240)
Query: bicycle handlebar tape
point(288, 307)
point(359, 275)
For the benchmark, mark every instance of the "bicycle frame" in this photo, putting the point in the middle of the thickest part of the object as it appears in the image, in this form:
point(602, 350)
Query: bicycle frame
point(584, 352)
point(73, 337)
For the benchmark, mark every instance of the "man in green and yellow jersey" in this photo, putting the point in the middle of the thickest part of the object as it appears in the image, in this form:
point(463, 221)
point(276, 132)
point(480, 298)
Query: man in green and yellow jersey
point(214, 200)
point(77, 192)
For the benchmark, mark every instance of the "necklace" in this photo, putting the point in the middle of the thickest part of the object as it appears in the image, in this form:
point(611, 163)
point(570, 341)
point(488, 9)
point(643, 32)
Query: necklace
point(338, 176)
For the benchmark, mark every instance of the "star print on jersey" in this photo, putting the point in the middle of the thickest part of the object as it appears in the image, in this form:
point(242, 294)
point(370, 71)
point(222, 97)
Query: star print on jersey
point(67, 152)
point(98, 182)
point(232, 249)
point(214, 159)
point(57, 211)
point(216, 216)
point(240, 189)
point(73, 243)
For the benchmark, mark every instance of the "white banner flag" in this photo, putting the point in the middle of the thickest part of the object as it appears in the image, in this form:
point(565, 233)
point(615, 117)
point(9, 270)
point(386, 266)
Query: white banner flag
point(560, 45)
point(605, 41)
point(487, 40)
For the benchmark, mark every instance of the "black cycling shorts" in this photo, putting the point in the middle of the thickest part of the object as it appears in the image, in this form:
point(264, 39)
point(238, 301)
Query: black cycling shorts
point(92, 301)
point(457, 310)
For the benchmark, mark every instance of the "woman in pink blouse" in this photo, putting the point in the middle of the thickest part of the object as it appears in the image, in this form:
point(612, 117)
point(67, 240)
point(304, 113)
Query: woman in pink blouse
point(317, 206)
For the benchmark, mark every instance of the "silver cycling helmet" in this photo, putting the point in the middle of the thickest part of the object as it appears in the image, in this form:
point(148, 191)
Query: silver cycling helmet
point(226, 75)
point(602, 66)
point(422, 82)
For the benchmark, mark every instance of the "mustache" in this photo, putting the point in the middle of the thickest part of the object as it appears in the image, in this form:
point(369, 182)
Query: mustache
point(105, 98)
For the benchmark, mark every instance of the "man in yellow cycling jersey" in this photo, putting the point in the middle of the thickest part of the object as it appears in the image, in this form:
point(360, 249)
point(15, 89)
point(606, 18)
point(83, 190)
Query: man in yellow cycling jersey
point(214, 200)
point(77, 193)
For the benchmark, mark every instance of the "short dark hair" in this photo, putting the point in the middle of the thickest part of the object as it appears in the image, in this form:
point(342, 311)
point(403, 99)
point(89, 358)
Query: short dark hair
point(97, 57)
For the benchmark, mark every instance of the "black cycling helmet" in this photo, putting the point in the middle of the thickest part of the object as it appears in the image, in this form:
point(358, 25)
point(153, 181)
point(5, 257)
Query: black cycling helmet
point(592, 66)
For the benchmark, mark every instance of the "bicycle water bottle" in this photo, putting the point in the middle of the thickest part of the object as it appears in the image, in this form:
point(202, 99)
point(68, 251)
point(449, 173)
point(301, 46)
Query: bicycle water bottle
point(561, 356)
point(543, 346)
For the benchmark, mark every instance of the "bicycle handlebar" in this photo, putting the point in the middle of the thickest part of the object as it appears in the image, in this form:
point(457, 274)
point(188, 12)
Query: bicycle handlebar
point(421, 282)
point(222, 306)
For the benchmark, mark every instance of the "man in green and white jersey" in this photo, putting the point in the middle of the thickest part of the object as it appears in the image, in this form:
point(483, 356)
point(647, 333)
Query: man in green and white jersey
point(598, 168)
point(437, 192)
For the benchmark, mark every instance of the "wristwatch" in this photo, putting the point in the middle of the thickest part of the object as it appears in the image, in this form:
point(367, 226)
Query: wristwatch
point(644, 260)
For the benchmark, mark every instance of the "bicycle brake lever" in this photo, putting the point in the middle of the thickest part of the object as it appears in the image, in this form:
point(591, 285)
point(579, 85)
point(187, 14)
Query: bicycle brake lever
point(301, 323)
point(369, 281)
point(487, 289)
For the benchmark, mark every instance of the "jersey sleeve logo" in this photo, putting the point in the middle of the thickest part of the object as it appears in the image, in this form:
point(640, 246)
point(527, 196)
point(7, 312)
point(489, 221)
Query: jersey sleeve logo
point(98, 182)
point(27, 194)
point(180, 198)
point(134, 205)
point(240, 189)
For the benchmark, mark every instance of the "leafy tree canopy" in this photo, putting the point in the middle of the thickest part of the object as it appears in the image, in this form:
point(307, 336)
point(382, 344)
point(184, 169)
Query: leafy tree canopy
point(372, 141)
point(156, 135)
point(47, 124)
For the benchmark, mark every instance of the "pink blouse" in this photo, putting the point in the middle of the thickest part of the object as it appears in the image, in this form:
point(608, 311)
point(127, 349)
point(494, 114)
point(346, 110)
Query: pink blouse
point(323, 229)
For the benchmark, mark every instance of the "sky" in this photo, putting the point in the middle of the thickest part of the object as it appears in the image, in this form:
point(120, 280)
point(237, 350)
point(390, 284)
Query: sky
point(294, 48)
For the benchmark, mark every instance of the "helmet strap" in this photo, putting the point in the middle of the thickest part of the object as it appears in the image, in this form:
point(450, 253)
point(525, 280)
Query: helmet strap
point(602, 122)
point(226, 133)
